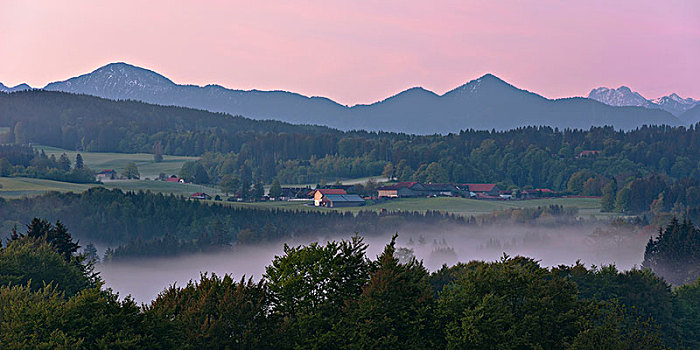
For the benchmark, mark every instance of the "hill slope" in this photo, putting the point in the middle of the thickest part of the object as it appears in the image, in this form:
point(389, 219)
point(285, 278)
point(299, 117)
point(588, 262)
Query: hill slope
point(91, 123)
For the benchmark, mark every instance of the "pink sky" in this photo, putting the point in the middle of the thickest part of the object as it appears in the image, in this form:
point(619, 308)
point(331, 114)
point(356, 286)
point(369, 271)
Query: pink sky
point(362, 51)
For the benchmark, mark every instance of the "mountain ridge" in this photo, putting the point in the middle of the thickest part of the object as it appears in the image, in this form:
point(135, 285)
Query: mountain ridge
point(487, 102)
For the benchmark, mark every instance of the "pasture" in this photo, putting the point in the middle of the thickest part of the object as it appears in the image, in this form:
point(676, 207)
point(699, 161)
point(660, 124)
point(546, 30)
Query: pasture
point(99, 161)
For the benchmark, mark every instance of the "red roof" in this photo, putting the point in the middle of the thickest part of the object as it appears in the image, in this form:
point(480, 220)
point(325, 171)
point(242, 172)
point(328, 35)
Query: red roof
point(331, 191)
point(481, 187)
point(107, 171)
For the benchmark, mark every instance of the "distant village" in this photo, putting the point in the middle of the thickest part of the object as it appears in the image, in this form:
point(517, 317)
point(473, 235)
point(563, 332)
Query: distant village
point(339, 195)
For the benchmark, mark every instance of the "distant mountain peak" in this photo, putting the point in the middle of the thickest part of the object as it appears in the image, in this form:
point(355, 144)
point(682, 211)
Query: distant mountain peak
point(477, 85)
point(117, 80)
point(624, 96)
point(129, 70)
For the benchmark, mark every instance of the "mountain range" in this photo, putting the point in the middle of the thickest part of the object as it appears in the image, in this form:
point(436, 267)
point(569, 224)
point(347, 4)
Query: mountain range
point(484, 103)
point(624, 96)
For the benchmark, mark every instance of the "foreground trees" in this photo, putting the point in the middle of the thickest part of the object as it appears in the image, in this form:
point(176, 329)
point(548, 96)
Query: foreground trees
point(675, 253)
point(333, 296)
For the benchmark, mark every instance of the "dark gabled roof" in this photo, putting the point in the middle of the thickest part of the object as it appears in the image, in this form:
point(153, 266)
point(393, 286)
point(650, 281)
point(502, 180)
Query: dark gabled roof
point(343, 198)
point(106, 171)
point(399, 185)
point(439, 187)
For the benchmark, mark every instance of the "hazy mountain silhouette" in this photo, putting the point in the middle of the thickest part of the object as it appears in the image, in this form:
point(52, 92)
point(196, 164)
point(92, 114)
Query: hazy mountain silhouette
point(692, 116)
point(484, 103)
point(20, 87)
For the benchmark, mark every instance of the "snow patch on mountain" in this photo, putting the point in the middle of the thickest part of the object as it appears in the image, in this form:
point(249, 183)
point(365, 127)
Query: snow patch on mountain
point(624, 96)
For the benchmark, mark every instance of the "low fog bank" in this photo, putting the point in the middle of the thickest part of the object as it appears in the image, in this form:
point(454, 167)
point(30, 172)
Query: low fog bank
point(593, 245)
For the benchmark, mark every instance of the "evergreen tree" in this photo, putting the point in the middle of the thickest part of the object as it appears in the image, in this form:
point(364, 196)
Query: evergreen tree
point(258, 191)
point(64, 162)
point(675, 253)
point(78, 161)
point(395, 310)
point(275, 189)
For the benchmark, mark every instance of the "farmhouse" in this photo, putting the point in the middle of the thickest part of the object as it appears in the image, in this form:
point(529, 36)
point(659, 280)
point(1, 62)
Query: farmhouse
point(200, 195)
point(108, 174)
point(341, 200)
point(174, 178)
point(321, 193)
point(401, 189)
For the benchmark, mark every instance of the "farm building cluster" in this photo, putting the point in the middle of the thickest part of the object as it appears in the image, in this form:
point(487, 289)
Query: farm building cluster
point(333, 196)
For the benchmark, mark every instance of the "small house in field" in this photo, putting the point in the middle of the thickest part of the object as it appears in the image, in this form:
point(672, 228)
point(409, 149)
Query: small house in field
point(200, 195)
point(341, 200)
point(321, 193)
point(174, 178)
point(401, 189)
point(483, 190)
point(107, 174)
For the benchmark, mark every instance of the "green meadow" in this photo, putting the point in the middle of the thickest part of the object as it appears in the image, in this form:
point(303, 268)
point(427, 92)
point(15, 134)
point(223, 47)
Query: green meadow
point(15, 187)
point(99, 161)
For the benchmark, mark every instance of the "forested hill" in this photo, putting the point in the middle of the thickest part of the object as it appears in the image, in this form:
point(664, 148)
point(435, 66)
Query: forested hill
point(91, 123)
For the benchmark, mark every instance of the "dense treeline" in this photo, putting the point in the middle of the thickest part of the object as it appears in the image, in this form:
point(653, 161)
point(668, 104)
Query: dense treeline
point(151, 224)
point(656, 195)
point(22, 160)
point(675, 253)
point(334, 296)
point(530, 156)
point(526, 157)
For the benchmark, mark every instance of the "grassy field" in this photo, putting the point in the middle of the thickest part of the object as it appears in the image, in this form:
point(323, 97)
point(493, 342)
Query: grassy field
point(459, 206)
point(98, 161)
point(14, 187)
